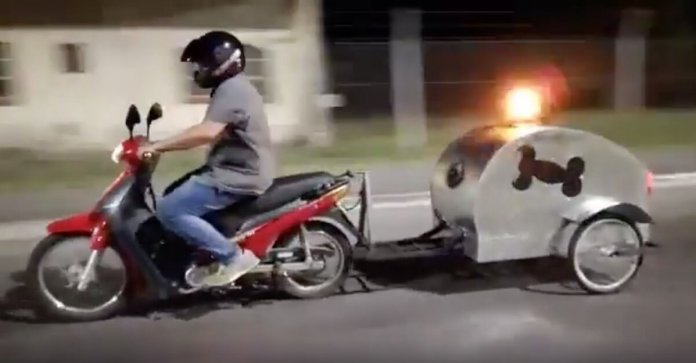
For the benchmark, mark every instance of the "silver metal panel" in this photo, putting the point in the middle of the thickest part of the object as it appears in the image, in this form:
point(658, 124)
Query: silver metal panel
point(515, 224)
point(578, 212)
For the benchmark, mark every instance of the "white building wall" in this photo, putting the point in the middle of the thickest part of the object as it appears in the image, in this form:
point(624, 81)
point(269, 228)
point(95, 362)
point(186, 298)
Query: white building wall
point(123, 66)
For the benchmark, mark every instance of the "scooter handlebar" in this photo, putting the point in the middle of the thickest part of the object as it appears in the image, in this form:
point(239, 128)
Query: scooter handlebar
point(345, 176)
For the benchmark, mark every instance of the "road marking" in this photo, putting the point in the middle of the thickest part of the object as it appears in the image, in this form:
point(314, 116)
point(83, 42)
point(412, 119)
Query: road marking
point(676, 176)
point(661, 180)
point(675, 180)
point(413, 195)
point(411, 203)
point(23, 230)
point(35, 229)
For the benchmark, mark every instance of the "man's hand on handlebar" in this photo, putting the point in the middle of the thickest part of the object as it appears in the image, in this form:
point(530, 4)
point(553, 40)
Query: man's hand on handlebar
point(146, 150)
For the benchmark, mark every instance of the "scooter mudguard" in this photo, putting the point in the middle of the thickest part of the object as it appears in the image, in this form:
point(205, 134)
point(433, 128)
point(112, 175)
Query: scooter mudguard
point(78, 223)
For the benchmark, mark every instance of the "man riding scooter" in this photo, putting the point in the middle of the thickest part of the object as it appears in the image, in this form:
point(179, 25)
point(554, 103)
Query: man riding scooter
point(240, 163)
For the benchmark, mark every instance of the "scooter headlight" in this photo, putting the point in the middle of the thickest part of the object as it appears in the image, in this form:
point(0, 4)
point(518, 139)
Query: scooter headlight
point(117, 153)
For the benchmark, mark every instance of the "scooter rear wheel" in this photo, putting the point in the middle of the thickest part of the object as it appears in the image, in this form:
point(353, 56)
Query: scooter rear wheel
point(54, 284)
point(326, 243)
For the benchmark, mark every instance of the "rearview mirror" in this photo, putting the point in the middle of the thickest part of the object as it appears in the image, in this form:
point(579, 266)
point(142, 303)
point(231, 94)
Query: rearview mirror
point(132, 119)
point(154, 113)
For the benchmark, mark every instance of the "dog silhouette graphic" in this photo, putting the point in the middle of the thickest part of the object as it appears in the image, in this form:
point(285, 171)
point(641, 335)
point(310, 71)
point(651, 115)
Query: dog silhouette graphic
point(549, 172)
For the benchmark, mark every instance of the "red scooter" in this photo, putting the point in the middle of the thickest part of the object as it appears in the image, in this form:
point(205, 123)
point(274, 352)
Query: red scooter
point(95, 264)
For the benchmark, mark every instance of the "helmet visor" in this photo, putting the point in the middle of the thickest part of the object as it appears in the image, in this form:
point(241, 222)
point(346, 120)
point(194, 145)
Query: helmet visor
point(194, 52)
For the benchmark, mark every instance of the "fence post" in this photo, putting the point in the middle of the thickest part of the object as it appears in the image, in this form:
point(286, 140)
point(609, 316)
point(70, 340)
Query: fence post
point(311, 87)
point(630, 59)
point(406, 64)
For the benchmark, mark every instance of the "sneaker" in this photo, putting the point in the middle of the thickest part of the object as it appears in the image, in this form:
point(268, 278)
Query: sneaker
point(227, 274)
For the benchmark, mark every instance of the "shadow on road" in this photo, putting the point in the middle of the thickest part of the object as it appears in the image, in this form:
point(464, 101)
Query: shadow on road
point(443, 276)
point(16, 305)
point(454, 275)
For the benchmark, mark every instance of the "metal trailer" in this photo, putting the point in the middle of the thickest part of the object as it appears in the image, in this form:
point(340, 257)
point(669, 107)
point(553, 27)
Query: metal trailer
point(519, 191)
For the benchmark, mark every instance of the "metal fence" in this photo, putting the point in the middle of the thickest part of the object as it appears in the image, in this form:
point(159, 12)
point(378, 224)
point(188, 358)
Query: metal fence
point(461, 76)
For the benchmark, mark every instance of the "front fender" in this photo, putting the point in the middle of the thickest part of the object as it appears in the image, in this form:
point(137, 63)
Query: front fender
point(88, 224)
point(590, 207)
point(82, 223)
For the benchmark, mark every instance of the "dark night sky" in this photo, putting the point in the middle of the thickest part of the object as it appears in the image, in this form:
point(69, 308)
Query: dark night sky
point(456, 19)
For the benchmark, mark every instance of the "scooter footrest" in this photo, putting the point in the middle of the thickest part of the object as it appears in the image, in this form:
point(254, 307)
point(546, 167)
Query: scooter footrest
point(203, 258)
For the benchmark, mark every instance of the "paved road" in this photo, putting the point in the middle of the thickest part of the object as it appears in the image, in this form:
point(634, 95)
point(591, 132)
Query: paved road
point(402, 178)
point(416, 313)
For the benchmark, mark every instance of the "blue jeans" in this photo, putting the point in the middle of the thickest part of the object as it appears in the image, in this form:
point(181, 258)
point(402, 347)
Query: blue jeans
point(181, 211)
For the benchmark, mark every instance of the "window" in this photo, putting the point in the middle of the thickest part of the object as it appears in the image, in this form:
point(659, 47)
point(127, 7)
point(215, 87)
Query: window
point(5, 74)
point(73, 58)
point(255, 70)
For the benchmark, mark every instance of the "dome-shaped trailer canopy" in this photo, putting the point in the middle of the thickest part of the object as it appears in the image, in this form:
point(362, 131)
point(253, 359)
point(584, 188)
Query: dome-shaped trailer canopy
point(522, 189)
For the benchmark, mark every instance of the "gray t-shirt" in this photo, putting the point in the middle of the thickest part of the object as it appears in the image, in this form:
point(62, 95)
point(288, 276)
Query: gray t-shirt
point(241, 160)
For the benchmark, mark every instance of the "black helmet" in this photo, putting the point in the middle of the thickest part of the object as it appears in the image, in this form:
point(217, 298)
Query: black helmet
point(216, 56)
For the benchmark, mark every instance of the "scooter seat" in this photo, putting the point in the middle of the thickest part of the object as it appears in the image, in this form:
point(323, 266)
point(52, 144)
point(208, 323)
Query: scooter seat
point(254, 211)
point(284, 190)
point(288, 188)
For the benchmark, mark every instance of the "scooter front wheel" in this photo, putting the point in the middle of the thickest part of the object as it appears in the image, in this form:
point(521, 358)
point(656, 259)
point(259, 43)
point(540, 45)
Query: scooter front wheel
point(59, 279)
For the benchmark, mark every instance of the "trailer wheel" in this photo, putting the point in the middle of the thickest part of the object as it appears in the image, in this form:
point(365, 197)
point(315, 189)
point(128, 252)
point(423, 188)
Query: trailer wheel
point(619, 247)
